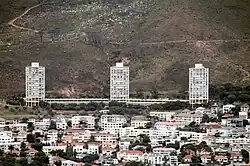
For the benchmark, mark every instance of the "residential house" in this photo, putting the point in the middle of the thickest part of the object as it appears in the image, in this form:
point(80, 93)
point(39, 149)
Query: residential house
point(221, 159)
point(132, 132)
point(79, 147)
point(162, 116)
point(93, 147)
point(139, 121)
point(112, 123)
point(170, 125)
point(108, 151)
point(206, 158)
point(161, 155)
point(131, 155)
point(48, 149)
point(227, 108)
point(244, 108)
point(189, 117)
point(86, 122)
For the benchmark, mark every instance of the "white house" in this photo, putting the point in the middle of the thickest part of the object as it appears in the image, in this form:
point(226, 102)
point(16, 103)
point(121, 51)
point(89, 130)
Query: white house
point(189, 117)
point(163, 116)
point(193, 135)
point(227, 108)
point(170, 125)
point(89, 122)
point(6, 141)
point(112, 123)
point(124, 144)
point(80, 147)
point(139, 121)
point(131, 155)
point(161, 155)
point(61, 124)
point(52, 135)
point(71, 163)
point(105, 137)
point(132, 132)
point(93, 147)
point(48, 149)
point(244, 108)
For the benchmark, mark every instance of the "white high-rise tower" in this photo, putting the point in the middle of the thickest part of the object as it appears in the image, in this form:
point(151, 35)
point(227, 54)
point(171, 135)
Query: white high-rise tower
point(35, 84)
point(119, 82)
point(198, 84)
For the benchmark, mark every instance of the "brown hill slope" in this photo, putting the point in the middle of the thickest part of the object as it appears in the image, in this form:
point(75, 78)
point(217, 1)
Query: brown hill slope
point(159, 39)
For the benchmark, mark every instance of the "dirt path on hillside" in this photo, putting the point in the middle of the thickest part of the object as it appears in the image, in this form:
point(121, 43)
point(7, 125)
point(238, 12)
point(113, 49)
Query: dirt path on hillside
point(12, 22)
point(218, 41)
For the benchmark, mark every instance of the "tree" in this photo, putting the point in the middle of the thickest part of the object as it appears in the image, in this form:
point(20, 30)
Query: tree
point(184, 138)
point(6, 128)
point(41, 34)
point(92, 138)
point(69, 151)
point(24, 120)
point(196, 161)
point(52, 125)
point(192, 124)
point(58, 163)
point(69, 123)
point(231, 98)
point(37, 146)
point(23, 154)
point(11, 148)
point(134, 163)
point(144, 138)
point(30, 126)
point(140, 94)
point(23, 162)
point(39, 158)
point(176, 145)
point(205, 119)
point(30, 138)
point(91, 157)
point(1, 152)
point(155, 94)
point(23, 146)
point(149, 125)
point(245, 155)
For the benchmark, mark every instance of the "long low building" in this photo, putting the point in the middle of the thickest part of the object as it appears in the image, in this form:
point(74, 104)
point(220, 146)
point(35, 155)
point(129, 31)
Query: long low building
point(106, 101)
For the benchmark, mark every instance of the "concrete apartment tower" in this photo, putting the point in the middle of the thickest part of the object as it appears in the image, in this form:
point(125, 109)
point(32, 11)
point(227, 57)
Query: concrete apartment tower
point(35, 84)
point(198, 84)
point(119, 82)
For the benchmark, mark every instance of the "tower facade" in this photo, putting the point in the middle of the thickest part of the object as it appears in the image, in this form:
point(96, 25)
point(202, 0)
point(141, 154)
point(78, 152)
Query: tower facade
point(198, 84)
point(35, 84)
point(119, 82)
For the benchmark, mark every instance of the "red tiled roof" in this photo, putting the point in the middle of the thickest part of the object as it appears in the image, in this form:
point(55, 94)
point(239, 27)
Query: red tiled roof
point(235, 154)
point(31, 151)
point(108, 149)
point(220, 157)
point(78, 144)
point(131, 151)
point(94, 143)
point(187, 157)
point(206, 156)
point(227, 115)
point(15, 151)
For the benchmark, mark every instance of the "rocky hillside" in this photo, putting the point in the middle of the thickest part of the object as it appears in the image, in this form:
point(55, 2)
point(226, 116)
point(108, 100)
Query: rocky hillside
point(79, 40)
